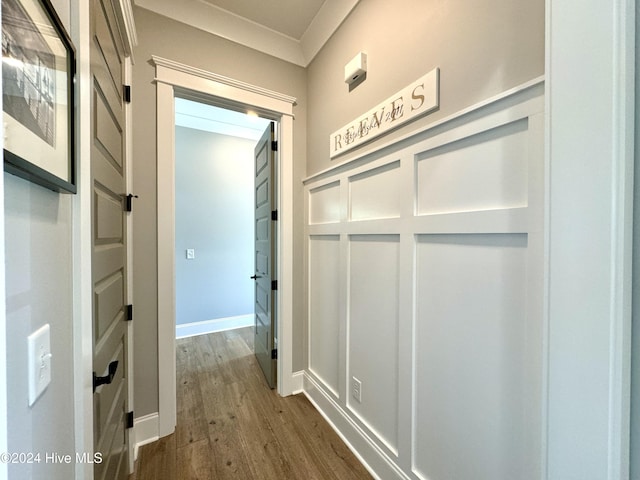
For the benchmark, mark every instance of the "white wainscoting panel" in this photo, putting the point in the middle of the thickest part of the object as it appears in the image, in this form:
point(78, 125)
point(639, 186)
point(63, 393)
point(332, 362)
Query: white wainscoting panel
point(373, 327)
point(376, 193)
point(324, 204)
point(425, 268)
point(470, 349)
point(324, 312)
point(483, 172)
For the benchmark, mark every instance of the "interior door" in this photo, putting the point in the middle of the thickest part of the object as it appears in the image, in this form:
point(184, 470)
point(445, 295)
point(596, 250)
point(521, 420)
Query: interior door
point(265, 275)
point(108, 245)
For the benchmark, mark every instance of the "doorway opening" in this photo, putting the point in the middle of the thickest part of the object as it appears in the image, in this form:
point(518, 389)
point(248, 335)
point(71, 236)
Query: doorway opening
point(215, 217)
point(173, 80)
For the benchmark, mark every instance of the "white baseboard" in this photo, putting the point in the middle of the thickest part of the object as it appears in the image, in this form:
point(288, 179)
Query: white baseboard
point(297, 382)
point(192, 329)
point(374, 459)
point(146, 430)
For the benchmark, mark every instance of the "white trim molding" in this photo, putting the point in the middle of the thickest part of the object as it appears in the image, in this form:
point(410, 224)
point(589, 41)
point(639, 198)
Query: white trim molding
point(220, 22)
point(590, 159)
point(191, 329)
point(146, 431)
point(297, 382)
point(372, 457)
point(174, 78)
point(82, 291)
point(181, 75)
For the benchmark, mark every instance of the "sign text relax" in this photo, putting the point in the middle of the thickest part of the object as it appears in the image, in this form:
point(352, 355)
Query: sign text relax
point(411, 102)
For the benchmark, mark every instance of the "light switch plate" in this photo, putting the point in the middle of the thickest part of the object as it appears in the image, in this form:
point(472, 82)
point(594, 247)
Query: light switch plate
point(191, 253)
point(39, 362)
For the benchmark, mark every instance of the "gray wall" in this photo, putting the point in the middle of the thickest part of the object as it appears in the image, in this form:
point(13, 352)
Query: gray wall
point(214, 215)
point(161, 36)
point(482, 48)
point(39, 291)
point(38, 249)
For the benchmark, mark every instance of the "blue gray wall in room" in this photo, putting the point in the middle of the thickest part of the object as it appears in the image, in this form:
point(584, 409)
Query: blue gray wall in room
point(214, 216)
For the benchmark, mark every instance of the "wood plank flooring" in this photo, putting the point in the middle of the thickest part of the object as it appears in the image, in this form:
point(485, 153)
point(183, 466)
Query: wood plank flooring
point(232, 426)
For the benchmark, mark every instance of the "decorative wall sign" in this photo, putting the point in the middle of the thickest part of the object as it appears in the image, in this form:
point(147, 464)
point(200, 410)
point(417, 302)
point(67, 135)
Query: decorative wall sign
point(415, 100)
point(38, 67)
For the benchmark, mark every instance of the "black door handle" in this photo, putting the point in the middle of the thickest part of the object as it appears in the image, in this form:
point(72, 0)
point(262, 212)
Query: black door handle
point(107, 379)
point(253, 277)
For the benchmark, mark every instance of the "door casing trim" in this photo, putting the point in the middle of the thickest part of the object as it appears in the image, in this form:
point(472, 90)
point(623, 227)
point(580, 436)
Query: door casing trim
point(172, 77)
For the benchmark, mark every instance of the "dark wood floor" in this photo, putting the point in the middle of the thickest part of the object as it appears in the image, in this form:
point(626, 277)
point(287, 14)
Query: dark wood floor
point(232, 426)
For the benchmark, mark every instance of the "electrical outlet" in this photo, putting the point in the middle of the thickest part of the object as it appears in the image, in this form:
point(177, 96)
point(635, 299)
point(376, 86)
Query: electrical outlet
point(356, 389)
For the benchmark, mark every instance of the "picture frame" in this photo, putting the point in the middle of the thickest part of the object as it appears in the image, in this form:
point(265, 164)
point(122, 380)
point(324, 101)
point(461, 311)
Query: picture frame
point(38, 72)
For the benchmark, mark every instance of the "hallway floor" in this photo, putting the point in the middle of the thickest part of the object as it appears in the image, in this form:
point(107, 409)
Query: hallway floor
point(232, 426)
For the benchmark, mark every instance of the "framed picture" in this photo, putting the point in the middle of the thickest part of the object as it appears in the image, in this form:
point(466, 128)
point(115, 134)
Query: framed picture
point(38, 69)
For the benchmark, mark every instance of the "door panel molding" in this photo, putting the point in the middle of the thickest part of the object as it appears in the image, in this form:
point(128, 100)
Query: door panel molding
point(171, 78)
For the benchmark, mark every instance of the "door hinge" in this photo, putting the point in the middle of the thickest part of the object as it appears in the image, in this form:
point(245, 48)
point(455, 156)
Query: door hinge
point(128, 203)
point(274, 146)
point(274, 354)
point(129, 420)
point(274, 215)
point(274, 284)
point(129, 316)
point(126, 93)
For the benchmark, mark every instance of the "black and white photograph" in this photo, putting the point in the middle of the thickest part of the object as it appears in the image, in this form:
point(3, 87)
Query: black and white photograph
point(37, 69)
point(28, 77)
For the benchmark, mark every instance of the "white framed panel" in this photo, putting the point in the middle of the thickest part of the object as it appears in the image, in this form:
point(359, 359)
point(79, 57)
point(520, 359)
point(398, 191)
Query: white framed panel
point(374, 289)
point(470, 351)
point(324, 309)
point(376, 193)
point(486, 171)
point(324, 204)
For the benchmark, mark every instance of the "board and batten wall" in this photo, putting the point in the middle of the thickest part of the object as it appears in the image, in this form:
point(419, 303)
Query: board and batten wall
point(425, 279)
point(425, 245)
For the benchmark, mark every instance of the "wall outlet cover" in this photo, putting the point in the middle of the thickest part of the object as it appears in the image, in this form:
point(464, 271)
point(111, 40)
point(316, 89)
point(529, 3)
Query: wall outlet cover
point(356, 389)
point(39, 362)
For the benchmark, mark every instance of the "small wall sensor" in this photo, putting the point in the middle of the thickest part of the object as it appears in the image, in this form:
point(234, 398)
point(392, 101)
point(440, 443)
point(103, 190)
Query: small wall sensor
point(355, 68)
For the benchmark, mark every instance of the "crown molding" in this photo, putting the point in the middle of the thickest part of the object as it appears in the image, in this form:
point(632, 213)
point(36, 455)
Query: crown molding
point(323, 26)
point(222, 23)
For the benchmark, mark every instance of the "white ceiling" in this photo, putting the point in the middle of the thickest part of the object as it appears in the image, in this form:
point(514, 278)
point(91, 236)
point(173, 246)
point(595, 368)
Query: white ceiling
point(293, 30)
point(208, 118)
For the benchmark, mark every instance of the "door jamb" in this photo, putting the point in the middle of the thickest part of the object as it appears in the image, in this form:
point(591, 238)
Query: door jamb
point(170, 76)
